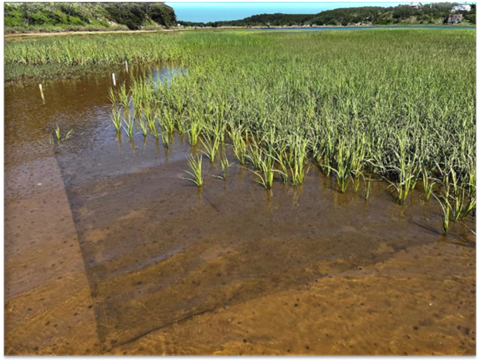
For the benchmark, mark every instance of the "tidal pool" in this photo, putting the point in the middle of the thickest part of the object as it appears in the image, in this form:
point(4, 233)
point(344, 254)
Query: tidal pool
point(109, 250)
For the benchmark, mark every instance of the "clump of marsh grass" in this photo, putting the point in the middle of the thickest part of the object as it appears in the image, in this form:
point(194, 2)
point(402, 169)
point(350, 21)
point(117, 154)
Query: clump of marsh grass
point(123, 97)
point(282, 161)
point(225, 164)
point(112, 95)
point(166, 138)
point(343, 167)
point(457, 196)
point(266, 170)
point(167, 122)
point(116, 119)
point(428, 183)
point(470, 206)
point(255, 155)
point(297, 166)
point(217, 129)
point(444, 202)
point(58, 135)
point(129, 127)
point(211, 148)
point(194, 132)
point(144, 127)
point(406, 172)
point(180, 126)
point(324, 152)
point(463, 204)
point(239, 145)
point(358, 160)
point(195, 164)
point(151, 117)
point(367, 189)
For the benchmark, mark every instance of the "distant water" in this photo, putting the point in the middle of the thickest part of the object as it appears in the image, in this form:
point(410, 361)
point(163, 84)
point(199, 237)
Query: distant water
point(318, 28)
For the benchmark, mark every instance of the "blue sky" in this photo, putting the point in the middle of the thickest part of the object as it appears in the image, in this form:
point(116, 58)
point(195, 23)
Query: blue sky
point(215, 11)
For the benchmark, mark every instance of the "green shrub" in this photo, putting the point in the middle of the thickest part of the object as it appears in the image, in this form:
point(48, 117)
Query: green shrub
point(134, 16)
point(161, 14)
point(39, 18)
point(74, 20)
point(471, 18)
point(331, 22)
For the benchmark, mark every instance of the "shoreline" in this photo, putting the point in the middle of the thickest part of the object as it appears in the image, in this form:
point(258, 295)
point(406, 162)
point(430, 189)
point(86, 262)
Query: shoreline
point(88, 32)
point(83, 32)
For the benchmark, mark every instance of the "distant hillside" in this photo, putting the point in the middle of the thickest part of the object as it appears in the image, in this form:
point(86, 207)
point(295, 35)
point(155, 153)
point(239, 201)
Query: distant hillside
point(276, 19)
point(402, 14)
point(58, 16)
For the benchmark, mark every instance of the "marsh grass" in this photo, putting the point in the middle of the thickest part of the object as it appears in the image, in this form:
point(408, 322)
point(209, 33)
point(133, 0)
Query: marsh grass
point(123, 97)
point(211, 148)
point(116, 119)
point(194, 132)
point(343, 169)
point(151, 117)
point(195, 164)
point(265, 169)
point(167, 121)
point(68, 55)
point(255, 155)
point(144, 127)
point(428, 184)
point(381, 120)
point(225, 164)
point(58, 135)
point(129, 126)
point(444, 201)
point(287, 100)
point(238, 143)
point(166, 139)
point(368, 183)
point(298, 151)
point(405, 173)
point(112, 96)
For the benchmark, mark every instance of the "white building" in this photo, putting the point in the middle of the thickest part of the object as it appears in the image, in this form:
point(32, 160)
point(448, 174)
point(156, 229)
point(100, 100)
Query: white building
point(464, 7)
point(416, 6)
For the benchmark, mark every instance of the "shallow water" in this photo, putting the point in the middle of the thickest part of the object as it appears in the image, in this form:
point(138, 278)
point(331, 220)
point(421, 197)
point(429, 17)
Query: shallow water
point(108, 250)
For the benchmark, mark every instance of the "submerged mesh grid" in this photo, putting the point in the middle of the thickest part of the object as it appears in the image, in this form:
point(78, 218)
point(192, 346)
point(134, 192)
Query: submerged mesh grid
point(158, 251)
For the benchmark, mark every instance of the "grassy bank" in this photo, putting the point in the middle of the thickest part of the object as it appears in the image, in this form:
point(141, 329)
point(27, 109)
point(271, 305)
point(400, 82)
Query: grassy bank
point(21, 17)
point(395, 105)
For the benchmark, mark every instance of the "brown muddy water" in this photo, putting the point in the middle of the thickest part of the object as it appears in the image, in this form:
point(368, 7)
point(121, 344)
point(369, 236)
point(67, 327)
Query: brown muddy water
point(109, 251)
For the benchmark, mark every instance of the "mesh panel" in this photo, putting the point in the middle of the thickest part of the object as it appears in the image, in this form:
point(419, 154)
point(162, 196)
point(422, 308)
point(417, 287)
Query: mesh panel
point(158, 251)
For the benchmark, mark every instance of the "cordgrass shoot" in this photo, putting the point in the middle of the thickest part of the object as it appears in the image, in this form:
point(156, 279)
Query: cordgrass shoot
point(195, 164)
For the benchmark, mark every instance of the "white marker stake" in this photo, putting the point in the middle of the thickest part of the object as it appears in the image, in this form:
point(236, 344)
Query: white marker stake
point(126, 65)
point(113, 79)
point(41, 92)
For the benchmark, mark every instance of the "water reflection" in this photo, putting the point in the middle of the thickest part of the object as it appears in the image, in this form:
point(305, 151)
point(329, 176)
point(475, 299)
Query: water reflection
point(166, 74)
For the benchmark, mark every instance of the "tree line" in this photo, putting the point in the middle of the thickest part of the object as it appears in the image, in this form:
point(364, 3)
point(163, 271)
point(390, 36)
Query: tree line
point(375, 15)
